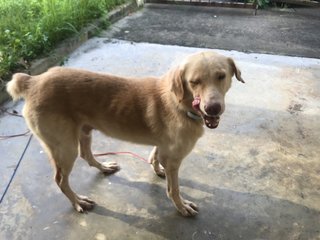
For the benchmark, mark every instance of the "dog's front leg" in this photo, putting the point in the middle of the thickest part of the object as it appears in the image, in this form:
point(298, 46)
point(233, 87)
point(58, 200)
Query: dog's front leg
point(156, 166)
point(185, 207)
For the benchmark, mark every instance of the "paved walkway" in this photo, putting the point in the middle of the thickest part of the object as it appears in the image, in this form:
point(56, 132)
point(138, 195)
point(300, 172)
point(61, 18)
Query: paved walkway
point(294, 33)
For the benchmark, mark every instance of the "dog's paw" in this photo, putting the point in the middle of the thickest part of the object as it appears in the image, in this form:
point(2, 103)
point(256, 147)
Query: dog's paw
point(159, 171)
point(188, 209)
point(109, 167)
point(83, 204)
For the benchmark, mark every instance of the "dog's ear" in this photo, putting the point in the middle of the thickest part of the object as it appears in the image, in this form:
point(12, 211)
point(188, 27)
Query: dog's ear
point(236, 71)
point(177, 83)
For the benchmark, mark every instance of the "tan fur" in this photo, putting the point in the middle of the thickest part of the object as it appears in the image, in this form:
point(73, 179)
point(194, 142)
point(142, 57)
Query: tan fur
point(18, 85)
point(63, 105)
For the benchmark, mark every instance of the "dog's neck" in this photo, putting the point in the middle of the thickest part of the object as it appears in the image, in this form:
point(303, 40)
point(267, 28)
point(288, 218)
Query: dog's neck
point(194, 116)
point(186, 107)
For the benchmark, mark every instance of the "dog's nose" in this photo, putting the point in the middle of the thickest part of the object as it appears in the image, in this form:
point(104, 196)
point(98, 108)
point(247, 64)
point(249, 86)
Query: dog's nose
point(213, 109)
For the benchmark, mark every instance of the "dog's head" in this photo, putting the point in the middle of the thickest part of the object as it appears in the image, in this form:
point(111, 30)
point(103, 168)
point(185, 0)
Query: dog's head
point(201, 82)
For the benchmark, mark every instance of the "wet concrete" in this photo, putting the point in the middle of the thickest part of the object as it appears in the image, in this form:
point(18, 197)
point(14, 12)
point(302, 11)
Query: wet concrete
point(294, 32)
point(255, 177)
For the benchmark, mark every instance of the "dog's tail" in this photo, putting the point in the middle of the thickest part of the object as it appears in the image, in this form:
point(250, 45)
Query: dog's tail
point(19, 85)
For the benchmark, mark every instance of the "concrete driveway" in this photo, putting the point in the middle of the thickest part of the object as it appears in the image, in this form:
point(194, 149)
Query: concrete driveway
point(292, 32)
point(255, 177)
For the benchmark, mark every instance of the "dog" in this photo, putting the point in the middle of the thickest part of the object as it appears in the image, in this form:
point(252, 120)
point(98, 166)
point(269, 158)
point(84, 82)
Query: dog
point(63, 106)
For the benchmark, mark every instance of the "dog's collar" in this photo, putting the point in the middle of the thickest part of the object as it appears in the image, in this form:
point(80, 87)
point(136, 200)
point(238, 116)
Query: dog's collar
point(194, 116)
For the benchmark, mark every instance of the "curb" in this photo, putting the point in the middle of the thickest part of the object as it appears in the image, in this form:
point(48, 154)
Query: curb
point(59, 54)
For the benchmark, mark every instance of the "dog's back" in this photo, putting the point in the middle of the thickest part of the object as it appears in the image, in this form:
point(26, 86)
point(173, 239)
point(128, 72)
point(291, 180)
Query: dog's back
point(124, 108)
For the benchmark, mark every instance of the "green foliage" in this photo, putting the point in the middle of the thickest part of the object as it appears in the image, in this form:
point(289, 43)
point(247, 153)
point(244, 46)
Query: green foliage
point(29, 28)
point(263, 3)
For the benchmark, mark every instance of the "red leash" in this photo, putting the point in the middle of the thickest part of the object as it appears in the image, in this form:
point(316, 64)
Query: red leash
point(123, 153)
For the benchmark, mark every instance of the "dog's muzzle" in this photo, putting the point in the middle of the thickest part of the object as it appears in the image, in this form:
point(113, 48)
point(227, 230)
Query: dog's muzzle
point(210, 121)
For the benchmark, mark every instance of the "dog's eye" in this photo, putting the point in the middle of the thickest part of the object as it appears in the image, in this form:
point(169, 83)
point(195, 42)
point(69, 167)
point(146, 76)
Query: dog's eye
point(195, 82)
point(221, 76)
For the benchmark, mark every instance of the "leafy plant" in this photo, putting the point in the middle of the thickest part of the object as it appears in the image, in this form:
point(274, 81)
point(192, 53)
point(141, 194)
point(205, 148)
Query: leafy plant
point(29, 28)
point(263, 3)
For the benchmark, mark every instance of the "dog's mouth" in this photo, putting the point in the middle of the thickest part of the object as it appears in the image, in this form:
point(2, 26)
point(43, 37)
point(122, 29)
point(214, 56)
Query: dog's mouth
point(210, 121)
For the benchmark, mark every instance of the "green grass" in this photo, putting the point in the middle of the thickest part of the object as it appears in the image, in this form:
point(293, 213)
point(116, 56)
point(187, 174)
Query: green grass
point(29, 28)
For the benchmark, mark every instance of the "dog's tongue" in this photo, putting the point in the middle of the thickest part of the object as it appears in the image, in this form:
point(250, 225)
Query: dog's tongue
point(196, 103)
point(211, 122)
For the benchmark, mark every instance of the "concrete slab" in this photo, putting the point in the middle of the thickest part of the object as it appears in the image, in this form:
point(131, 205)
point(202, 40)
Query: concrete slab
point(11, 149)
point(294, 33)
point(255, 177)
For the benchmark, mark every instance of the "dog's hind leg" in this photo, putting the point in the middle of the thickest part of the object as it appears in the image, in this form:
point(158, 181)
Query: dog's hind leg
point(60, 140)
point(86, 153)
point(79, 202)
point(63, 156)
